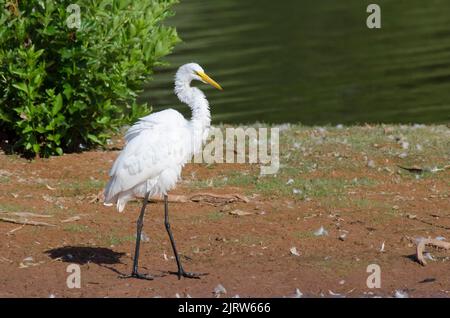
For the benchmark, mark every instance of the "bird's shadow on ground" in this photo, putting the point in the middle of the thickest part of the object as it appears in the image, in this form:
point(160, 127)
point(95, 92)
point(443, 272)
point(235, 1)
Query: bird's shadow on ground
point(100, 256)
point(411, 257)
point(83, 254)
point(96, 255)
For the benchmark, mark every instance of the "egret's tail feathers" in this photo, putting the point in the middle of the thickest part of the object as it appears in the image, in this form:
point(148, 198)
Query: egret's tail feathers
point(121, 205)
point(120, 200)
point(112, 190)
point(112, 195)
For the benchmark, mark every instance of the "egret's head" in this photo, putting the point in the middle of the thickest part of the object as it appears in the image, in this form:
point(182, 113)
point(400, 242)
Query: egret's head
point(193, 71)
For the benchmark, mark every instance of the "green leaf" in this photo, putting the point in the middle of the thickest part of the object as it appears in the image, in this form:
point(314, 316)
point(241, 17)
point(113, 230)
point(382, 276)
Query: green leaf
point(57, 104)
point(27, 129)
point(41, 130)
point(94, 139)
point(67, 91)
point(59, 151)
point(36, 148)
point(22, 86)
point(65, 85)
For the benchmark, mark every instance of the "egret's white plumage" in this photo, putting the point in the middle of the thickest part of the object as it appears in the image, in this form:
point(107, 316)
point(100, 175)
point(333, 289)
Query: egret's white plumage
point(159, 145)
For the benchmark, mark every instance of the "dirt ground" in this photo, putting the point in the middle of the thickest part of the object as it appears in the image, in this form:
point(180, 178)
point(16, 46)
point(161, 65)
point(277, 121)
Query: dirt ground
point(372, 210)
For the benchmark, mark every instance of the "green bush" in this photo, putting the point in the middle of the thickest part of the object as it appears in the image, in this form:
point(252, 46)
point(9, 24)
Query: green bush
point(62, 87)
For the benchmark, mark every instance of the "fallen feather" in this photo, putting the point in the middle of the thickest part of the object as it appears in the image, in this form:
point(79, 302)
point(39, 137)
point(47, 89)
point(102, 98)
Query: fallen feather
point(240, 213)
point(294, 251)
point(28, 261)
point(401, 294)
point(219, 290)
point(351, 291)
point(48, 198)
point(298, 294)
point(382, 247)
point(290, 181)
point(50, 188)
point(333, 294)
point(436, 169)
point(144, 237)
point(321, 232)
point(297, 191)
point(371, 164)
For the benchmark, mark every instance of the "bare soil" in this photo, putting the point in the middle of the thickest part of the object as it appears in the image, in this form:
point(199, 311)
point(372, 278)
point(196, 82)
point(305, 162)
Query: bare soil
point(249, 255)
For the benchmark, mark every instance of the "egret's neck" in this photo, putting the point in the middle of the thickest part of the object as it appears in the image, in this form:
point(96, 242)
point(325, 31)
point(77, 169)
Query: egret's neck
point(196, 100)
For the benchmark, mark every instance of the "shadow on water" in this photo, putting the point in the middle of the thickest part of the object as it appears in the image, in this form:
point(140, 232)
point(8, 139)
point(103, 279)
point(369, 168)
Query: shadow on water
point(314, 61)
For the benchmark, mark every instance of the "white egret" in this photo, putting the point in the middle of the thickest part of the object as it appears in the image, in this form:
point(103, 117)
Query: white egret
point(157, 147)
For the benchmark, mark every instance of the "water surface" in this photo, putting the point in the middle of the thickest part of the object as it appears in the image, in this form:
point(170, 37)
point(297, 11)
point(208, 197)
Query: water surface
point(314, 62)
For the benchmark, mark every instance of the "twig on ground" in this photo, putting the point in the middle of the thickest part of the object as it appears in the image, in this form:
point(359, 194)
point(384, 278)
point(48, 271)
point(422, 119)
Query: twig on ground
point(433, 242)
point(71, 219)
point(25, 222)
point(210, 198)
point(16, 229)
point(27, 214)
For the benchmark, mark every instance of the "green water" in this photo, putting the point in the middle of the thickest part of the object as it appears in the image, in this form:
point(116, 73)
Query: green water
point(314, 62)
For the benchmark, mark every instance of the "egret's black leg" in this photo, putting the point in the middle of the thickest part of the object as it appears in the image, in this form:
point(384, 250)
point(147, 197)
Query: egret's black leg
point(140, 223)
point(181, 271)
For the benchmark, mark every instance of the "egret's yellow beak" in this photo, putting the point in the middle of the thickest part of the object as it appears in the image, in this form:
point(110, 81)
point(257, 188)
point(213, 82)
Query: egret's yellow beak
point(209, 80)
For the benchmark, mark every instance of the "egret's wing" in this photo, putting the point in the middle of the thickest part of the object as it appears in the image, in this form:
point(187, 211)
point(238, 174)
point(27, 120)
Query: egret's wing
point(154, 143)
point(167, 117)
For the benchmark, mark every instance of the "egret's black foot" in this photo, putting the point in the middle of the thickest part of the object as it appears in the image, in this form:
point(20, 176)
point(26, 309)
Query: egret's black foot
point(138, 276)
point(182, 273)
